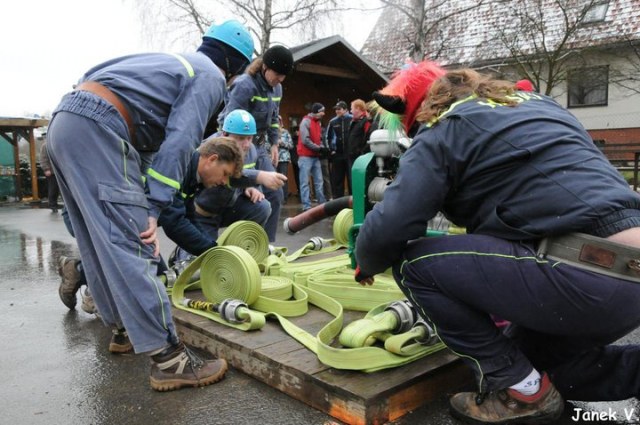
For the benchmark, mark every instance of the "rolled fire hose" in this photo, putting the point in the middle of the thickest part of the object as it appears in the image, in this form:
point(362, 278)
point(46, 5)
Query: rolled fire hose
point(240, 269)
point(341, 225)
point(248, 235)
point(317, 213)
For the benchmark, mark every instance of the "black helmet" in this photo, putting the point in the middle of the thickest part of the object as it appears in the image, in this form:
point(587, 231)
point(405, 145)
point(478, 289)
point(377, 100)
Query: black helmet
point(278, 58)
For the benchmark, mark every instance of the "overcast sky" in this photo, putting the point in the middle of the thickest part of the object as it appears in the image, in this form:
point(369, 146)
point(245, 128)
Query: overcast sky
point(46, 45)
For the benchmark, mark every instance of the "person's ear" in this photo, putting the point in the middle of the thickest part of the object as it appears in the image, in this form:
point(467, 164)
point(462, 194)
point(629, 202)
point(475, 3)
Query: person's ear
point(213, 157)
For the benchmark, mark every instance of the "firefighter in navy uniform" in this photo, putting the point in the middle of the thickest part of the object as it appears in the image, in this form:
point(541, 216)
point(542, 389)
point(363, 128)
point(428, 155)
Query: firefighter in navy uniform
point(553, 233)
point(138, 113)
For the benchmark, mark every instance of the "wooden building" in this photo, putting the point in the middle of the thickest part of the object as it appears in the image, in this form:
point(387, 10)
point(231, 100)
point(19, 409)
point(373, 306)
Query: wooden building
point(11, 130)
point(326, 71)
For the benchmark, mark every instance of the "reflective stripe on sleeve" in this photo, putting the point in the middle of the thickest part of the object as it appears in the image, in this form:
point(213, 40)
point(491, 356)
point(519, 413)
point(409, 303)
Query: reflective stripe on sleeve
point(186, 64)
point(163, 179)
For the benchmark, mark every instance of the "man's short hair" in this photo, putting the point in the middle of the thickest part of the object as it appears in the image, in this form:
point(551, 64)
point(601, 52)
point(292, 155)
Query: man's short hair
point(227, 150)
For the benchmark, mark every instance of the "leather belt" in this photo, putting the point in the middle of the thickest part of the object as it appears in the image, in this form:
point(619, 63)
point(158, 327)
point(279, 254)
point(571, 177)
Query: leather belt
point(109, 96)
point(594, 254)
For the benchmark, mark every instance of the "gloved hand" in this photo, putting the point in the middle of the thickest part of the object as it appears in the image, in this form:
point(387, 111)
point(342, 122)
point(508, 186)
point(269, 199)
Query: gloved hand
point(363, 279)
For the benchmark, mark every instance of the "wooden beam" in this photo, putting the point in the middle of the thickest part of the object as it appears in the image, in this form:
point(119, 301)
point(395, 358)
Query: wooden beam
point(23, 122)
point(32, 161)
point(16, 162)
point(5, 136)
point(327, 70)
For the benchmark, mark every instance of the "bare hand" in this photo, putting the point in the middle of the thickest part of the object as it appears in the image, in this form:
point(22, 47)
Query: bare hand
point(150, 236)
point(271, 179)
point(367, 281)
point(363, 279)
point(274, 155)
point(253, 194)
point(48, 173)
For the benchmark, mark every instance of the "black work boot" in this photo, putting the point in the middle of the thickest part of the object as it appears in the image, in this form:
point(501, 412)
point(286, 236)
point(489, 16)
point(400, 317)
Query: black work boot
point(509, 406)
point(120, 343)
point(178, 367)
point(71, 281)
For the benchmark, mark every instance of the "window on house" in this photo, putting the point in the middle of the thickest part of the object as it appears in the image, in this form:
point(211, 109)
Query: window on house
point(596, 13)
point(588, 87)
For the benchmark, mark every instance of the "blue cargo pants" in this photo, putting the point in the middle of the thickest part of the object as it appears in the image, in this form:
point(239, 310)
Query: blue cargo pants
point(101, 182)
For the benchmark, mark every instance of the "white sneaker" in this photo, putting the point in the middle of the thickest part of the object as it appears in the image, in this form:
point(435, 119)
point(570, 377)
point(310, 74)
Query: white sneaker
point(87, 302)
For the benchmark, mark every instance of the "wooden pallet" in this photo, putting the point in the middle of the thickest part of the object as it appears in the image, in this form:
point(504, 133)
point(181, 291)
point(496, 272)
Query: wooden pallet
point(276, 359)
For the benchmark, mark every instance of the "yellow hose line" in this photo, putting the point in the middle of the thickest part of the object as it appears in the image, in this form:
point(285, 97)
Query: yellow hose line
point(341, 225)
point(286, 290)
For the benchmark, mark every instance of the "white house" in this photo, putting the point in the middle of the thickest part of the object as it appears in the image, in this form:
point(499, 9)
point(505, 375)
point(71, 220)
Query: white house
point(584, 53)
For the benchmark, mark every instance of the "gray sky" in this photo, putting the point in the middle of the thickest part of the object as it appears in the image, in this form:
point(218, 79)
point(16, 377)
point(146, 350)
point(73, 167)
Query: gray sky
point(46, 45)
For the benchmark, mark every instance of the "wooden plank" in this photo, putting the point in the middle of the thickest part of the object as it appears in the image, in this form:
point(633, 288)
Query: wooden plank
point(32, 161)
point(354, 397)
point(22, 122)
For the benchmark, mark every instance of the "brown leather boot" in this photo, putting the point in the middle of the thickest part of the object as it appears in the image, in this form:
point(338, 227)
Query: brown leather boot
point(70, 283)
point(178, 367)
point(120, 343)
point(509, 406)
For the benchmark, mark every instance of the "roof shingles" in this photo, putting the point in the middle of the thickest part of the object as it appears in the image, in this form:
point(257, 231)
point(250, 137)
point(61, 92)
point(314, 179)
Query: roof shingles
point(476, 35)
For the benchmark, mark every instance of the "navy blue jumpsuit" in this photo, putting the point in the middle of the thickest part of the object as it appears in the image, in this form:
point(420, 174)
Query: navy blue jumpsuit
point(511, 176)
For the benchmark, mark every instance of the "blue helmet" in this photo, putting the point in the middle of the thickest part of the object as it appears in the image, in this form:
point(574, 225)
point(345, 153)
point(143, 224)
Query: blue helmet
point(234, 34)
point(239, 122)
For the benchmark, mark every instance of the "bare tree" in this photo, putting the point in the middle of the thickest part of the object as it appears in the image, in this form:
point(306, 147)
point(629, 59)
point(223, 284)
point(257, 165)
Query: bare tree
point(189, 19)
point(546, 38)
point(627, 74)
point(268, 16)
point(428, 34)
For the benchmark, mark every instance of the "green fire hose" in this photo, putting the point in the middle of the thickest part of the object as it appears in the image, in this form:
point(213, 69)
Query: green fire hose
point(237, 295)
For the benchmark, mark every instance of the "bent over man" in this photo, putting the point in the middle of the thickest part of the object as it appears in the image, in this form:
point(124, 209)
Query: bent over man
point(101, 139)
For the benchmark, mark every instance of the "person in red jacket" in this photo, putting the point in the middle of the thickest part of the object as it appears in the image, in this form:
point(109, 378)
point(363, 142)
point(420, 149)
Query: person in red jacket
point(309, 149)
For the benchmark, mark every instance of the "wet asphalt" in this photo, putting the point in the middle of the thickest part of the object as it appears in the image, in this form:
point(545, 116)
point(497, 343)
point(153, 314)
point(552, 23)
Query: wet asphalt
point(55, 367)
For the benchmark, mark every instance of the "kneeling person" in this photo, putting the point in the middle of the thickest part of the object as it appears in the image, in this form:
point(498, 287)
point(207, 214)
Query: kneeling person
point(244, 200)
point(206, 171)
point(220, 206)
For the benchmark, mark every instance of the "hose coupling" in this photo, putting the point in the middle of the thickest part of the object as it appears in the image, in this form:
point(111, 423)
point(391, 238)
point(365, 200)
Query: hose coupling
point(230, 310)
point(405, 313)
point(170, 276)
point(317, 243)
point(430, 336)
point(180, 266)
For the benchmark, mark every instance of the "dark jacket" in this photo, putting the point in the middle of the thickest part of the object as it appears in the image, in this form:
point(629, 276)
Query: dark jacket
point(177, 220)
point(359, 132)
point(337, 134)
point(516, 173)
